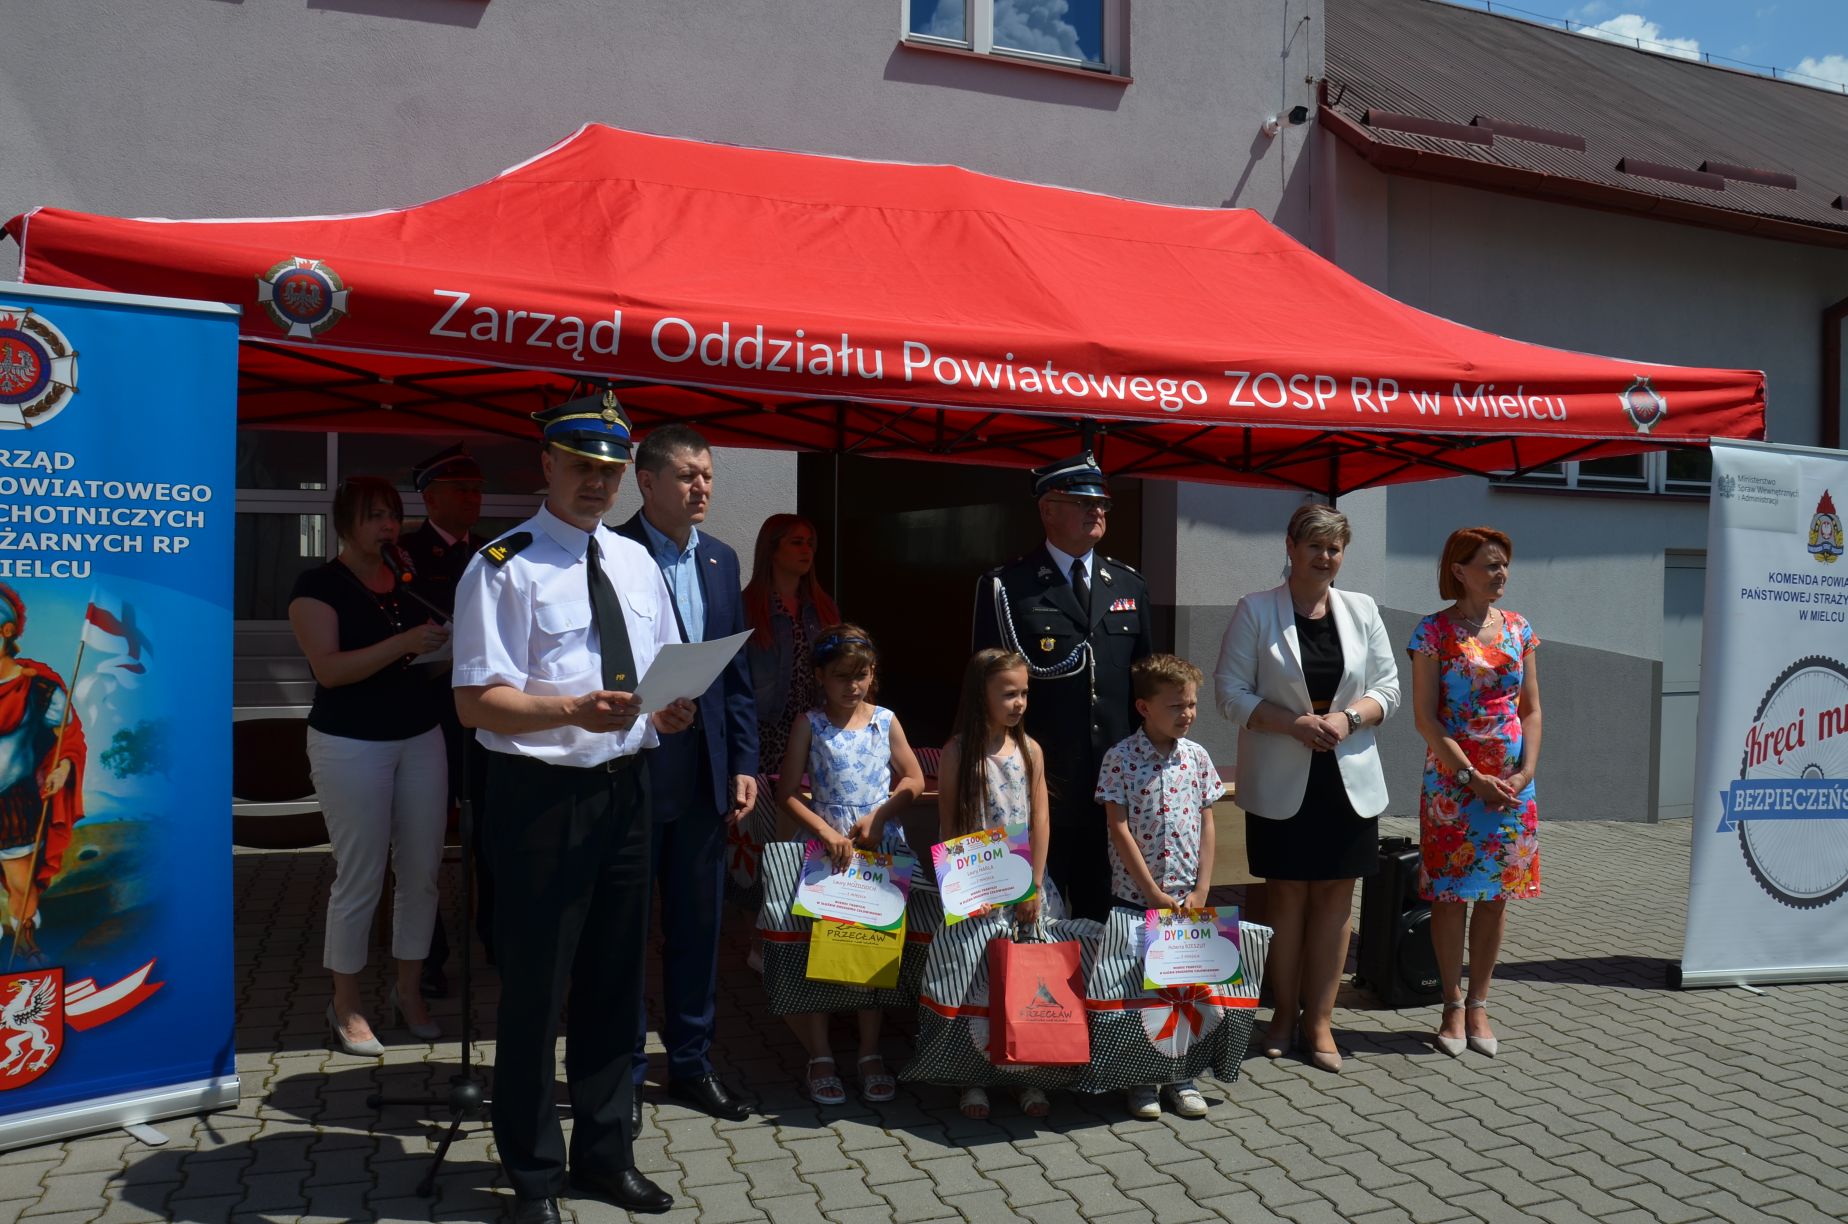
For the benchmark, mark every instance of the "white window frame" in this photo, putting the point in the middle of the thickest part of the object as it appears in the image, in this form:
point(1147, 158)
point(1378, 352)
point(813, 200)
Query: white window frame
point(979, 21)
point(1653, 480)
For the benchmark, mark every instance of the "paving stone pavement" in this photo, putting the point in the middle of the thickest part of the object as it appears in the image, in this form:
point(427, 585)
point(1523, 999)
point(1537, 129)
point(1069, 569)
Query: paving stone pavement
point(1614, 1100)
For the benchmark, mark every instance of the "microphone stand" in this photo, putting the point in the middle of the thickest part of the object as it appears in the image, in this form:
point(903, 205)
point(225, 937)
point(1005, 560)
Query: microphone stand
point(467, 1099)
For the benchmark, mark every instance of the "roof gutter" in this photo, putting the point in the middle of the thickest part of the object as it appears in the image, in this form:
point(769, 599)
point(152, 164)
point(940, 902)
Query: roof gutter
point(1424, 163)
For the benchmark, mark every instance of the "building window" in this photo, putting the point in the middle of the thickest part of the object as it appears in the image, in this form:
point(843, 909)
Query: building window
point(1687, 472)
point(1067, 33)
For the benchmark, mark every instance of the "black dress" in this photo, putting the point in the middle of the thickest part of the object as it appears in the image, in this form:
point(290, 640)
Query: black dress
point(1325, 840)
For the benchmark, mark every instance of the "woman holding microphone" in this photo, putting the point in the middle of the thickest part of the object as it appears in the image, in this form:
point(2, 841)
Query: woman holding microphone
point(1305, 673)
point(375, 753)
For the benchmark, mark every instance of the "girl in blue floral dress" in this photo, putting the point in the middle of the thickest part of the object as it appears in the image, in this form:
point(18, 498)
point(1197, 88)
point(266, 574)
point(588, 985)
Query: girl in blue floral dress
point(1476, 697)
point(862, 776)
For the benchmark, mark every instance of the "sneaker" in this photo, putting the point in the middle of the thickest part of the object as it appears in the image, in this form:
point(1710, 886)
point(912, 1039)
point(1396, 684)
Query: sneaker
point(1184, 1099)
point(1143, 1102)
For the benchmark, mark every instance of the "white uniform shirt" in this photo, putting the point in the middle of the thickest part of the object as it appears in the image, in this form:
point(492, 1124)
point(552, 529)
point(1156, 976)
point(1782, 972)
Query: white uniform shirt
point(526, 624)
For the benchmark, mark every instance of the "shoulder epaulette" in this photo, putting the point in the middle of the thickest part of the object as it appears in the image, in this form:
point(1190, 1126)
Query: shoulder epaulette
point(1123, 565)
point(505, 547)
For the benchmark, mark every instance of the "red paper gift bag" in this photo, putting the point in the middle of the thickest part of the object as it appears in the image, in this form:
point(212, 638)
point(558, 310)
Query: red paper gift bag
point(1036, 1005)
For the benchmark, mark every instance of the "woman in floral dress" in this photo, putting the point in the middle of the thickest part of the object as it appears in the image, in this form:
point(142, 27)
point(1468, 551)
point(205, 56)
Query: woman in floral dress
point(1476, 697)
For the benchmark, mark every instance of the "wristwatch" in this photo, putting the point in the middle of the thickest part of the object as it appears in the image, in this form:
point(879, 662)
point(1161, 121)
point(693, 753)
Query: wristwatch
point(1353, 717)
point(1464, 776)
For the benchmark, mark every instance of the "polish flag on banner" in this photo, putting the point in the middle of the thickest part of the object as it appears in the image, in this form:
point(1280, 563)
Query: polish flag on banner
point(117, 636)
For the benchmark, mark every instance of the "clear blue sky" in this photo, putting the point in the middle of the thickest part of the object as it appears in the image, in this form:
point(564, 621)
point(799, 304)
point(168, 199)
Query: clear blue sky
point(1802, 35)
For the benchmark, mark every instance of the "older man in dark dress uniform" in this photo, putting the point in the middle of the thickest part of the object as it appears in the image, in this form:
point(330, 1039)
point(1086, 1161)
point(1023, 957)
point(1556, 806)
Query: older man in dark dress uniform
point(1081, 619)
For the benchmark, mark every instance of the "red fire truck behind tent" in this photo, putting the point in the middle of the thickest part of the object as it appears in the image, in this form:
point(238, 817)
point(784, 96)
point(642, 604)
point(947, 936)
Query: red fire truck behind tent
point(789, 300)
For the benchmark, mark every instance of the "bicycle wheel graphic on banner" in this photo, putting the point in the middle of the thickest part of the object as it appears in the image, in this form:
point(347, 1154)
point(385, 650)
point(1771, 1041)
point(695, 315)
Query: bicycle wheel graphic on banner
point(1797, 847)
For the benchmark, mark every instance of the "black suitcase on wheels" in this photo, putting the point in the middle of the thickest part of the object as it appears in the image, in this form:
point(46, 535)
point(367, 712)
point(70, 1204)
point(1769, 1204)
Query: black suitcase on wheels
point(1396, 961)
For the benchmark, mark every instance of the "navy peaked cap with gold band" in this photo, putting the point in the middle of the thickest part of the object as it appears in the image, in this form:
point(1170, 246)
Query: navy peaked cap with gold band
point(452, 464)
point(1078, 476)
point(593, 425)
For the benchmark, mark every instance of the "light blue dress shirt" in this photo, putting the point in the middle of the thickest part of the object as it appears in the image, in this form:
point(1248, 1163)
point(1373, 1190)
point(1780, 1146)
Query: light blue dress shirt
point(680, 567)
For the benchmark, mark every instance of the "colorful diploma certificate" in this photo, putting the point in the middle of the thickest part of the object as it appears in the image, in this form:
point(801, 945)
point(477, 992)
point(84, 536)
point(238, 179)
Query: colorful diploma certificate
point(992, 867)
point(871, 892)
point(1190, 948)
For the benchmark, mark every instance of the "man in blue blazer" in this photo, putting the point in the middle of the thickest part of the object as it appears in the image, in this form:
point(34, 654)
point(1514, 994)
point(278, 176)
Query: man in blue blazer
point(701, 780)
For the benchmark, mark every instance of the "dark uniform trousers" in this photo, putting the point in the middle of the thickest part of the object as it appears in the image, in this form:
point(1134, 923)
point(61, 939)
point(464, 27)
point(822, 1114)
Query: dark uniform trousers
point(1077, 717)
point(570, 848)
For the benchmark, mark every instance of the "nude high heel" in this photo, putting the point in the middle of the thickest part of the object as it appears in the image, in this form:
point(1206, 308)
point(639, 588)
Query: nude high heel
point(1453, 1046)
point(1485, 1046)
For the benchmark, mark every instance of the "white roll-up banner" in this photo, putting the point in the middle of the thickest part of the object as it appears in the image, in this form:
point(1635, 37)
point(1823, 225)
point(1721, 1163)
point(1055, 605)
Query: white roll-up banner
point(1768, 893)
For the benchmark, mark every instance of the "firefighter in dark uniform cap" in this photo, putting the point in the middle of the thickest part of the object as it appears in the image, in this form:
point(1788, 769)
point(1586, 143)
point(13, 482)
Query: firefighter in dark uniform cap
point(439, 550)
point(1080, 619)
point(555, 625)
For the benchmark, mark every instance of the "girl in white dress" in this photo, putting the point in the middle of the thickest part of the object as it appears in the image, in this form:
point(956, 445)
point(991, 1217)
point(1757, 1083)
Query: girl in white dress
point(862, 775)
point(1000, 781)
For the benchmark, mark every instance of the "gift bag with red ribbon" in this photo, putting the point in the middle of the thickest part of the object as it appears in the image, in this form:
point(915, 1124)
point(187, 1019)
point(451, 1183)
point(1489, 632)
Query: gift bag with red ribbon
point(954, 1009)
point(1036, 993)
point(1174, 1033)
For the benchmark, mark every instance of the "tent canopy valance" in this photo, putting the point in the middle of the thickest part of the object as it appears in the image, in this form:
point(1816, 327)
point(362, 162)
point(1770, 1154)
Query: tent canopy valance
point(797, 301)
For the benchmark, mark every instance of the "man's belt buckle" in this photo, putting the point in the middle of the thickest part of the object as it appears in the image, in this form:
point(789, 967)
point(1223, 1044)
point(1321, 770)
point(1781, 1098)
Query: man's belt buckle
point(618, 764)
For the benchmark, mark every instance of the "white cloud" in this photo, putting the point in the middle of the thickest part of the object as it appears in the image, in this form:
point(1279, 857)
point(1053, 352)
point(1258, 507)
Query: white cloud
point(946, 21)
point(1829, 68)
point(1037, 25)
point(1629, 27)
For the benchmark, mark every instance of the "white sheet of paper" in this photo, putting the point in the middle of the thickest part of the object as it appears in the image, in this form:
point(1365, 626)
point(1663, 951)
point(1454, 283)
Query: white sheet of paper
point(686, 669)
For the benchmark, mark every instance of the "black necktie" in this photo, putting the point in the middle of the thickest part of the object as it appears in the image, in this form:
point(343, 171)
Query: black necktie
point(1081, 588)
point(612, 631)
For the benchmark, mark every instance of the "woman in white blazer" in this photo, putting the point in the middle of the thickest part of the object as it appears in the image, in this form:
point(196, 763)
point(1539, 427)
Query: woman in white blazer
point(1306, 673)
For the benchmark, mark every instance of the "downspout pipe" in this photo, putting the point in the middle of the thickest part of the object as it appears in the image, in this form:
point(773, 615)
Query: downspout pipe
point(1832, 320)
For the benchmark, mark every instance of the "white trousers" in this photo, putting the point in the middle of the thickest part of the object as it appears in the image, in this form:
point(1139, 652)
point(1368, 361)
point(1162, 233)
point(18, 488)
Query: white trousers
point(381, 799)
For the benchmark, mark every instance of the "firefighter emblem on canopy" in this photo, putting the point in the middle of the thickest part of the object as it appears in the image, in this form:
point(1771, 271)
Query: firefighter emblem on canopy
point(304, 297)
point(1643, 404)
point(38, 368)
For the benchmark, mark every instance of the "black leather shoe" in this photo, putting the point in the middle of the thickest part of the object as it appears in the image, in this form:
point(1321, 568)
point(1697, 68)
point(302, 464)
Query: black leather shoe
point(535, 1211)
point(627, 1189)
point(708, 1094)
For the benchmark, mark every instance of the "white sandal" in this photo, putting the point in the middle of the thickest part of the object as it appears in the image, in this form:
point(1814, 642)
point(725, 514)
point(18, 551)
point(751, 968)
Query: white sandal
point(974, 1099)
point(877, 1087)
point(1033, 1103)
point(824, 1089)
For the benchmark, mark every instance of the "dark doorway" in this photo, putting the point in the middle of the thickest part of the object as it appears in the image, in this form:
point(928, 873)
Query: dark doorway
point(913, 538)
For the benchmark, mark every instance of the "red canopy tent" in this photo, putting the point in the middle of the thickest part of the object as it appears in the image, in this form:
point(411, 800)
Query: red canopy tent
point(789, 300)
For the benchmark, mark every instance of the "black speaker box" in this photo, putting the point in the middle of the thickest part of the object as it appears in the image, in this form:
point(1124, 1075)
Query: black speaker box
point(1396, 960)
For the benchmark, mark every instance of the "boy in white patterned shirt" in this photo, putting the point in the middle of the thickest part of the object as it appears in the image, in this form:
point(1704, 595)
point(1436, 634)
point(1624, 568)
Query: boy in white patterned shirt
point(1158, 788)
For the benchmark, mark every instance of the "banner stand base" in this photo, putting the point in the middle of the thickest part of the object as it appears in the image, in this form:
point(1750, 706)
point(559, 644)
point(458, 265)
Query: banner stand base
point(1679, 979)
point(125, 1109)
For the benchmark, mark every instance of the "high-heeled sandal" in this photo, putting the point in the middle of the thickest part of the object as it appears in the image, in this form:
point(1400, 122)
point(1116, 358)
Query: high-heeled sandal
point(1453, 1046)
point(1485, 1046)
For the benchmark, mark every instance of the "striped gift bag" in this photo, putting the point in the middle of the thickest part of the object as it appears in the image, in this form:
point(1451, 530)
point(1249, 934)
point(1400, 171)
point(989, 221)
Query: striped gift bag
point(786, 943)
point(1174, 1034)
point(745, 841)
point(952, 1043)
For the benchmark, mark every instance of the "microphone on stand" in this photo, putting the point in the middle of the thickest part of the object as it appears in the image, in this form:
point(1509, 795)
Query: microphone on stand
point(403, 573)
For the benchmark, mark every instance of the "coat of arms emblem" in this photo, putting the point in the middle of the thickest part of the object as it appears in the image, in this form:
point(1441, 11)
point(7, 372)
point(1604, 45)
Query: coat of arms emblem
point(304, 297)
point(31, 1025)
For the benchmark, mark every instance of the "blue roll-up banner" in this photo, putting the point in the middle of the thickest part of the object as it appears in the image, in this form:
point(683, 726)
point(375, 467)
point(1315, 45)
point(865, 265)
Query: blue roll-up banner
point(117, 436)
